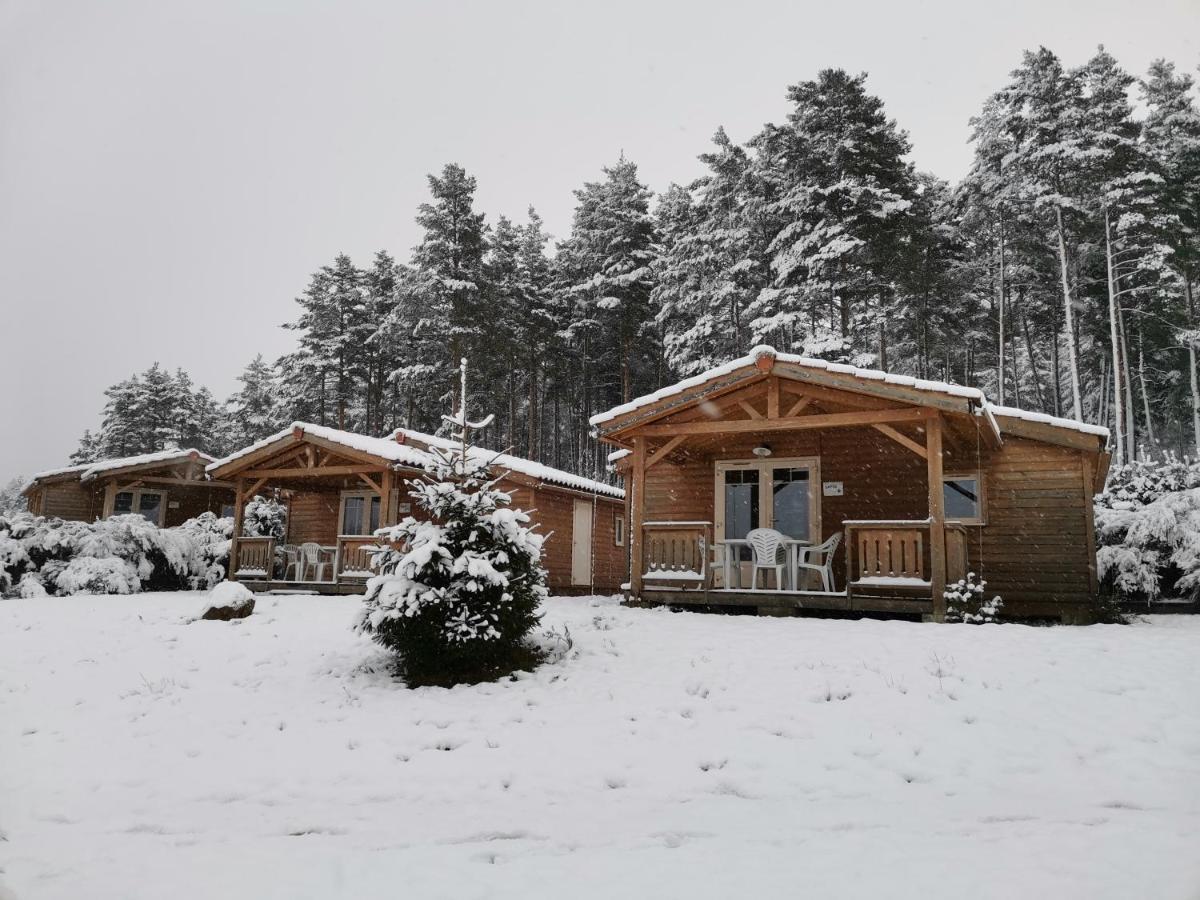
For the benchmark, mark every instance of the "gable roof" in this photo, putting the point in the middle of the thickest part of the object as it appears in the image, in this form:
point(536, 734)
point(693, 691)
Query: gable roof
point(528, 467)
point(944, 394)
point(88, 471)
point(412, 454)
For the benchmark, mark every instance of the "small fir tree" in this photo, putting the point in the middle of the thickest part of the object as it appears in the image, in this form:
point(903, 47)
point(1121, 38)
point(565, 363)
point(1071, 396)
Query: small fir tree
point(459, 591)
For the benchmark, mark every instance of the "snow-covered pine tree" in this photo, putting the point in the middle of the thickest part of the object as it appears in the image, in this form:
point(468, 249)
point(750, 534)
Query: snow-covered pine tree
point(713, 264)
point(1041, 104)
point(458, 591)
point(841, 193)
point(89, 449)
point(1171, 135)
point(251, 409)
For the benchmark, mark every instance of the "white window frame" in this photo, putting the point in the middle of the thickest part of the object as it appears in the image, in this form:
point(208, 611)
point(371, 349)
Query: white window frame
point(137, 493)
point(980, 519)
point(619, 528)
point(368, 496)
point(765, 506)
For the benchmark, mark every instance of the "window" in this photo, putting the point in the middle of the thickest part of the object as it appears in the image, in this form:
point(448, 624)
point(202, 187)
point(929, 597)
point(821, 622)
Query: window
point(359, 513)
point(228, 510)
point(619, 529)
point(769, 493)
point(962, 495)
point(150, 505)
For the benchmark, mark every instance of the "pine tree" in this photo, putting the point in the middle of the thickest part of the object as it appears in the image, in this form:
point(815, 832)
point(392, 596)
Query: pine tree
point(459, 592)
point(252, 409)
point(1172, 140)
point(714, 261)
point(842, 192)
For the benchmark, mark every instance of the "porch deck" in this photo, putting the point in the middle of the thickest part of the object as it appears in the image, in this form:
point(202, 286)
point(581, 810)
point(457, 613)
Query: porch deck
point(767, 602)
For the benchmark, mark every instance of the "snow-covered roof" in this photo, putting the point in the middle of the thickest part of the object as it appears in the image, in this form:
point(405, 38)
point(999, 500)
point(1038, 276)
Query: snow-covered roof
point(528, 467)
point(1043, 418)
point(385, 448)
point(984, 406)
point(405, 454)
point(88, 471)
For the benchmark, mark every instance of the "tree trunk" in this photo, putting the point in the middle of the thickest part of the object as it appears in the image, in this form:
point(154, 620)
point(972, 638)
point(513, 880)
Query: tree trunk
point(1000, 305)
point(1069, 313)
point(1114, 326)
point(1192, 378)
point(1145, 394)
point(1033, 366)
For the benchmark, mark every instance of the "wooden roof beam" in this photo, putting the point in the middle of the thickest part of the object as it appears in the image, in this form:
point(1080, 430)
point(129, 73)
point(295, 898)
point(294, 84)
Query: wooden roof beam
point(661, 453)
point(306, 472)
point(790, 423)
point(902, 439)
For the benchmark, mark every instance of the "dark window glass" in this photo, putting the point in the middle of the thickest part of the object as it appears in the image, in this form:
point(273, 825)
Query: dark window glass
point(352, 515)
point(961, 497)
point(374, 514)
point(123, 503)
point(790, 500)
point(150, 507)
point(741, 502)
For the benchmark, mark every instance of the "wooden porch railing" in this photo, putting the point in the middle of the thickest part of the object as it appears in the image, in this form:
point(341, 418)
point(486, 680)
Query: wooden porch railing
point(676, 552)
point(353, 558)
point(886, 549)
point(897, 551)
point(254, 557)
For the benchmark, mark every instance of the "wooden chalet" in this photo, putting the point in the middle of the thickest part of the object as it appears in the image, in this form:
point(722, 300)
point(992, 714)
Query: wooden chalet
point(920, 482)
point(339, 487)
point(167, 488)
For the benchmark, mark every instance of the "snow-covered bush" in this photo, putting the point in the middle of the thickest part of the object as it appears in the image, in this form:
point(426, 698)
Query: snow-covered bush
point(459, 593)
point(118, 555)
point(97, 575)
point(965, 603)
point(264, 517)
point(1148, 531)
point(210, 538)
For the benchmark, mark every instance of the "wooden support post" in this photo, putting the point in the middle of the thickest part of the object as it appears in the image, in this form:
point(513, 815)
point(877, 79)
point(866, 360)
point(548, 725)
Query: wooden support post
point(110, 499)
point(937, 516)
point(773, 398)
point(637, 515)
point(387, 515)
point(239, 509)
point(1089, 514)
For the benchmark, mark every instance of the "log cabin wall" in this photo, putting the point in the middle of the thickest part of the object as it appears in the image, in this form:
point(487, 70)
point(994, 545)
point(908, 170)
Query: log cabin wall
point(313, 515)
point(1033, 549)
point(71, 500)
point(193, 501)
point(553, 511)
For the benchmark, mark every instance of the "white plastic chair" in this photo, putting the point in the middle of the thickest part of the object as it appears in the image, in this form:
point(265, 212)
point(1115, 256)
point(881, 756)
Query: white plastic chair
point(291, 562)
point(310, 554)
point(825, 551)
point(767, 546)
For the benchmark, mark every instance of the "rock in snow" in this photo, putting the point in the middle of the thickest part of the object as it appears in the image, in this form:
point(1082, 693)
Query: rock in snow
point(228, 600)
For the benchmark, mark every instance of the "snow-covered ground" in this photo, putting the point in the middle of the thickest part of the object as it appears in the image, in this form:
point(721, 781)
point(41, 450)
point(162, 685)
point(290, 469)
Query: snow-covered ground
point(669, 755)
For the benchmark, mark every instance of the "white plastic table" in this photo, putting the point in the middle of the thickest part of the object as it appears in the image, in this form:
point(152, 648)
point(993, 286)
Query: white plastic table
point(791, 546)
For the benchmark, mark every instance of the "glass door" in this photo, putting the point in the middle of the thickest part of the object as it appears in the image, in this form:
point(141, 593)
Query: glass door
point(769, 493)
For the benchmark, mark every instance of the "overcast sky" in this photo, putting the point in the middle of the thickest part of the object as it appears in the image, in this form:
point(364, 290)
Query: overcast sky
point(170, 173)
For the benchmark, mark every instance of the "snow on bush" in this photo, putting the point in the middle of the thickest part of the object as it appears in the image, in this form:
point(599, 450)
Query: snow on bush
point(264, 517)
point(1148, 530)
point(97, 575)
point(118, 555)
point(210, 537)
point(459, 593)
point(965, 603)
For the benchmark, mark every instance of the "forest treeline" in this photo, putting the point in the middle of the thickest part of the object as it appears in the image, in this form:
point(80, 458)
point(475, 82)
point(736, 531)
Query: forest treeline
point(1059, 275)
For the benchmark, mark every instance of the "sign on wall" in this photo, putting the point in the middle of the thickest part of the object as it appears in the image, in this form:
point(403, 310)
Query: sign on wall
point(831, 488)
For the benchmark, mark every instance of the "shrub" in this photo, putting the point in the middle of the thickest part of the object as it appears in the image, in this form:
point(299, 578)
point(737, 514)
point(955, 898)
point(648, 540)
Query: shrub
point(118, 555)
point(1148, 531)
point(965, 603)
point(264, 517)
point(459, 593)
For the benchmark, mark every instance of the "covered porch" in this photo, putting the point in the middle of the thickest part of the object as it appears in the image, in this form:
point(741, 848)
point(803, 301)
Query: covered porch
point(786, 490)
point(336, 496)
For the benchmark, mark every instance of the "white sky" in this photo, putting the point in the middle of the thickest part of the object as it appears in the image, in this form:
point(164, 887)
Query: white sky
point(171, 173)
